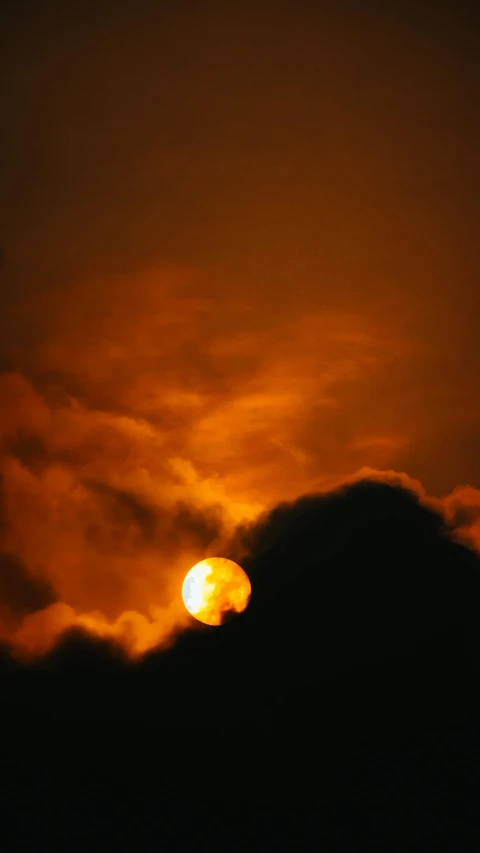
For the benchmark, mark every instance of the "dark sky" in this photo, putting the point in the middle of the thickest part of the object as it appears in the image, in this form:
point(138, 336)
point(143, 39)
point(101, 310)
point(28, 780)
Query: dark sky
point(240, 264)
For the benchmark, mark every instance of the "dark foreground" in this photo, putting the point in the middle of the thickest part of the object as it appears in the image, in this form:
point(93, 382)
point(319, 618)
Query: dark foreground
point(340, 712)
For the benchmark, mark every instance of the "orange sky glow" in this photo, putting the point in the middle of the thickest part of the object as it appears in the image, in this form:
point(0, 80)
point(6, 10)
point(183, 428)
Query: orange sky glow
point(230, 277)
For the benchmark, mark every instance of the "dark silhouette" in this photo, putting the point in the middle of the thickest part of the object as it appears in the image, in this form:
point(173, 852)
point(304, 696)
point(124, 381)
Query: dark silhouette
point(343, 704)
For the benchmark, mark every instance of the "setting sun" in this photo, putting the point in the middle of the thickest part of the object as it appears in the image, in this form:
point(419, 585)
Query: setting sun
point(214, 589)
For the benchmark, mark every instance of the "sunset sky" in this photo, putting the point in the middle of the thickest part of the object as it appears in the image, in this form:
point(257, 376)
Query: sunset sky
point(239, 264)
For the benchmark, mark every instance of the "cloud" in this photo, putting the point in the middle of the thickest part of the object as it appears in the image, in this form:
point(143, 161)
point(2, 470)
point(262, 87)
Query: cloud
point(137, 431)
point(462, 512)
point(354, 589)
point(109, 513)
point(144, 420)
point(233, 279)
point(364, 573)
point(20, 594)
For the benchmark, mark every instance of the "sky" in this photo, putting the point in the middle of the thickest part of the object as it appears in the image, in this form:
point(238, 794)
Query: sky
point(238, 318)
point(239, 265)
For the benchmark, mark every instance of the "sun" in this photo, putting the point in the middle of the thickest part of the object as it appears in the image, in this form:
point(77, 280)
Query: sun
point(214, 589)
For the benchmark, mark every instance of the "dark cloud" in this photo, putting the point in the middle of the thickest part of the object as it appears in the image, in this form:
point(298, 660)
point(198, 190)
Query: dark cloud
point(126, 508)
point(30, 449)
point(360, 574)
point(181, 526)
point(203, 528)
point(20, 593)
point(348, 685)
point(363, 577)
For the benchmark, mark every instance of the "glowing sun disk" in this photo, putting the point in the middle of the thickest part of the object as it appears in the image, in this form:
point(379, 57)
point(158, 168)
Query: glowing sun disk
point(214, 589)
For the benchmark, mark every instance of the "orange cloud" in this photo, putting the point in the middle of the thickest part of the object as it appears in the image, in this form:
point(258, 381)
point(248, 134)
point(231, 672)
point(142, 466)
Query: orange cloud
point(145, 422)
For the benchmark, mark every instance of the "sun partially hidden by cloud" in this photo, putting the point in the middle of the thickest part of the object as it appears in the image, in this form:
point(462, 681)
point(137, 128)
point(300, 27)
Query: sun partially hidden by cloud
point(144, 420)
point(215, 589)
point(228, 277)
